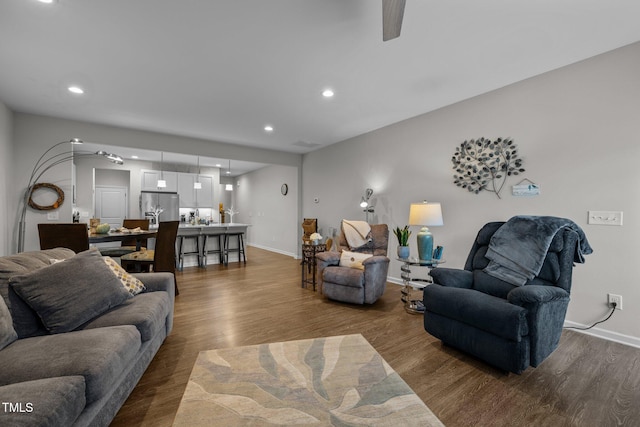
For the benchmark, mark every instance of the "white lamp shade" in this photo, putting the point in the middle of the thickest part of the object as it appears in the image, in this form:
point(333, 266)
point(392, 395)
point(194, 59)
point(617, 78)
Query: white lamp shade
point(425, 214)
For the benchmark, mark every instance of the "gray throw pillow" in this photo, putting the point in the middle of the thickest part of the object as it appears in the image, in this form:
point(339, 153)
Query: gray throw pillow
point(67, 294)
point(7, 333)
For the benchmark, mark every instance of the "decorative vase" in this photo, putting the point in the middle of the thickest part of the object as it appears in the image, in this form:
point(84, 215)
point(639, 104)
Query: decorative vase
point(425, 244)
point(103, 228)
point(403, 252)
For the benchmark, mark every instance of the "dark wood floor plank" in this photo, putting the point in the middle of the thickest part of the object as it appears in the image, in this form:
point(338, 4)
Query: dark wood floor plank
point(585, 382)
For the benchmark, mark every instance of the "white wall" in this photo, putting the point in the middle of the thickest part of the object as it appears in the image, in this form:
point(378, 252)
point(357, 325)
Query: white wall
point(273, 217)
point(6, 172)
point(577, 130)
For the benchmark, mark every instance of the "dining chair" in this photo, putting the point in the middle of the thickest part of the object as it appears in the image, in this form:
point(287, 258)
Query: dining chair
point(160, 259)
point(129, 245)
point(60, 235)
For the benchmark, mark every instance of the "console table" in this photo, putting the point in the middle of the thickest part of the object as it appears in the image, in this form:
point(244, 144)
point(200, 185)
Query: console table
point(415, 306)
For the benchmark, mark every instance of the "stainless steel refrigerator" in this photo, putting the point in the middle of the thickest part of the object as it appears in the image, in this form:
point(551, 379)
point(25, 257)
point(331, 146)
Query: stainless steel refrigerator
point(168, 202)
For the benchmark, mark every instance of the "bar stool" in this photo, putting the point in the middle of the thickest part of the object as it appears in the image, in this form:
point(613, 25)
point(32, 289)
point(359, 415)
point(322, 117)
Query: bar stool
point(240, 249)
point(182, 253)
point(219, 250)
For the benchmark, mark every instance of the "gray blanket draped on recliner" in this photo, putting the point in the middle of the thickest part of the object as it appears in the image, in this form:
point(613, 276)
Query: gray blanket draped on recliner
point(517, 249)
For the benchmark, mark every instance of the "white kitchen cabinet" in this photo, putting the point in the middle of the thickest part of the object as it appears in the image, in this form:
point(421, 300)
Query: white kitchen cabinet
point(204, 196)
point(192, 198)
point(150, 180)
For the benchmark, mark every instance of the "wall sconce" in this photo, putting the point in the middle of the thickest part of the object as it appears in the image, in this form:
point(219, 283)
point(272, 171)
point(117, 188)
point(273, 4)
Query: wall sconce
point(364, 203)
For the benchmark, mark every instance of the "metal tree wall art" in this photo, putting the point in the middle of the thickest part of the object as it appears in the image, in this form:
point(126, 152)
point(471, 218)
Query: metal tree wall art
point(483, 164)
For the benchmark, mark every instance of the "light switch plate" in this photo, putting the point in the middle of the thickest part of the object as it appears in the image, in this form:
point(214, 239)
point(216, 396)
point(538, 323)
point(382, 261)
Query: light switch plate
point(605, 218)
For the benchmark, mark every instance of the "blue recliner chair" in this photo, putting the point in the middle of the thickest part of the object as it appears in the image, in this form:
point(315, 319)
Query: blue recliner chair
point(508, 326)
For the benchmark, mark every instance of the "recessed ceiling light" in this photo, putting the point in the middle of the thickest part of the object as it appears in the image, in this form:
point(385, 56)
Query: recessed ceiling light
point(327, 93)
point(268, 128)
point(76, 89)
point(46, 1)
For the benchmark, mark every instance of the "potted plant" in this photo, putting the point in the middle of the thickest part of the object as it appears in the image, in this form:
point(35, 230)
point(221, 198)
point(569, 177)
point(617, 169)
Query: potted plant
point(403, 241)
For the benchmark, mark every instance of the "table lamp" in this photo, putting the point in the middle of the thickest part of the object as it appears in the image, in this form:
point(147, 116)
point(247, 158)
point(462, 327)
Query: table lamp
point(425, 214)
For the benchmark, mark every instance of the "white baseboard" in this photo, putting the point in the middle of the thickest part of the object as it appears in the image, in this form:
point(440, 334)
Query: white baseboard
point(605, 334)
point(395, 280)
point(266, 248)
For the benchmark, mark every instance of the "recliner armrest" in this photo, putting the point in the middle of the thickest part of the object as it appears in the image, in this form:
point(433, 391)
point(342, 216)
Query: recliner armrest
point(328, 258)
point(376, 259)
point(536, 294)
point(452, 277)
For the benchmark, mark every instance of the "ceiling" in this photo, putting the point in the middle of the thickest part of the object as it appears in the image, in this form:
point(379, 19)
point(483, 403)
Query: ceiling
point(222, 70)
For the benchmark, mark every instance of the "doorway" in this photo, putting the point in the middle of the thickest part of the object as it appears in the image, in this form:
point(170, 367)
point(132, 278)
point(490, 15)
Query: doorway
point(112, 204)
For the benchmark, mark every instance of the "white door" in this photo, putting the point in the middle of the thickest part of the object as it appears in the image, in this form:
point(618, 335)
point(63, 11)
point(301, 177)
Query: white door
point(111, 205)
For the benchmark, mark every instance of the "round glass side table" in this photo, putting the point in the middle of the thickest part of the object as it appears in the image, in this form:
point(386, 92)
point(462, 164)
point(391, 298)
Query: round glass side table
point(411, 305)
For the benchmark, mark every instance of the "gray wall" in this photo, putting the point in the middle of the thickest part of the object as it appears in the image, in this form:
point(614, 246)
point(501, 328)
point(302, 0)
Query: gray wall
point(6, 170)
point(576, 128)
point(31, 138)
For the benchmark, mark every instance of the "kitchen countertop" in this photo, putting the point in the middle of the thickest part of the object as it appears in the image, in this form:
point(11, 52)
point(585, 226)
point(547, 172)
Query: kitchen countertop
point(202, 227)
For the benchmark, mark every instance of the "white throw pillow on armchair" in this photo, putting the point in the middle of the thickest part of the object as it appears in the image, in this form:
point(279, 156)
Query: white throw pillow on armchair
point(353, 259)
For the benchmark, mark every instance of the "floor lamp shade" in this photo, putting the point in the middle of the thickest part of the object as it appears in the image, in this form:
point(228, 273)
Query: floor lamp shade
point(425, 214)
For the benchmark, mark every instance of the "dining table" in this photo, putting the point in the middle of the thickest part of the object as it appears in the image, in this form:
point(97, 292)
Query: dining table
point(119, 236)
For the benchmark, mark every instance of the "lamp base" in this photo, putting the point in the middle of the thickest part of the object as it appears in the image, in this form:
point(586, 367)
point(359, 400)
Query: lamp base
point(425, 244)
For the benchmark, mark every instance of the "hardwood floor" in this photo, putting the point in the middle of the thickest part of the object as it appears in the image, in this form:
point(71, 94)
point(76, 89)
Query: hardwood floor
point(585, 382)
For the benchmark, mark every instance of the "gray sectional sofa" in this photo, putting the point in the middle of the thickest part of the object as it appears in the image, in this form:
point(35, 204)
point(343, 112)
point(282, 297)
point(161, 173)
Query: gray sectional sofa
point(72, 344)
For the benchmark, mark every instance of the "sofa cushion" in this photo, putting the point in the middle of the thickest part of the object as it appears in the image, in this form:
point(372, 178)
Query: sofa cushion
point(148, 312)
point(25, 320)
point(344, 276)
point(25, 262)
point(67, 294)
point(99, 355)
point(7, 333)
point(482, 311)
point(46, 402)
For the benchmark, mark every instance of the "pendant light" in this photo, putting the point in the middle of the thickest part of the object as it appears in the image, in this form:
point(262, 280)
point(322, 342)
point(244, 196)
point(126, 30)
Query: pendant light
point(229, 187)
point(161, 182)
point(197, 184)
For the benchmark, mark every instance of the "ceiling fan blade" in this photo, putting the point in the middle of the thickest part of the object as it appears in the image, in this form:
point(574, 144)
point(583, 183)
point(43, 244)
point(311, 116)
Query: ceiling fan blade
point(392, 13)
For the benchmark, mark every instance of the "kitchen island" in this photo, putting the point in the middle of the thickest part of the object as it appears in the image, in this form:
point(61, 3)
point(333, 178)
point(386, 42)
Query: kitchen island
point(193, 239)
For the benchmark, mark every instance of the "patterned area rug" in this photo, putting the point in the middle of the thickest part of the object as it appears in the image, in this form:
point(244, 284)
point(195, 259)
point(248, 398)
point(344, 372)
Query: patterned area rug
point(339, 381)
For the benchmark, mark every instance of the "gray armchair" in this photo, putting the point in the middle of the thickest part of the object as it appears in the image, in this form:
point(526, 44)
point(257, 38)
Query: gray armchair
point(508, 326)
point(354, 285)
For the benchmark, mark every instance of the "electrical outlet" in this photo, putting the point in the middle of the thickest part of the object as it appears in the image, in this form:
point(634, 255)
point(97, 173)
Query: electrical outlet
point(605, 218)
point(611, 298)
